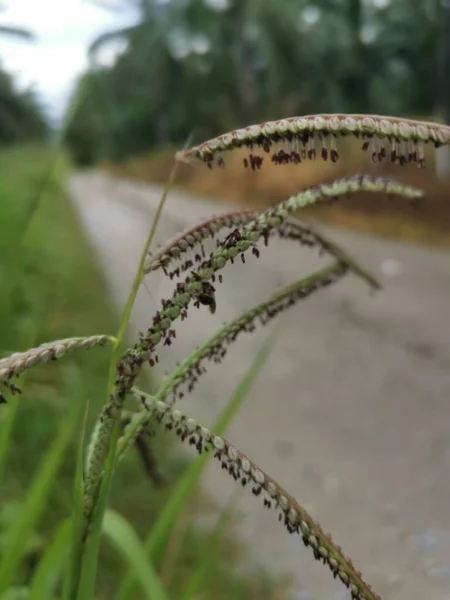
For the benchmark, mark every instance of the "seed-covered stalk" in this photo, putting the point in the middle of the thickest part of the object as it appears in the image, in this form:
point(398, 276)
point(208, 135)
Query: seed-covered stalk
point(296, 230)
point(189, 370)
point(292, 229)
point(216, 347)
point(293, 516)
point(12, 366)
point(191, 237)
point(238, 242)
point(293, 140)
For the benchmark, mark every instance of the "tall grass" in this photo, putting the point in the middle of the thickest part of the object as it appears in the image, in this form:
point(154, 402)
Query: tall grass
point(116, 429)
point(52, 289)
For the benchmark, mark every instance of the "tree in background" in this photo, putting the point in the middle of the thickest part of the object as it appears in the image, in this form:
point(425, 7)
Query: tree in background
point(220, 64)
point(21, 116)
point(17, 32)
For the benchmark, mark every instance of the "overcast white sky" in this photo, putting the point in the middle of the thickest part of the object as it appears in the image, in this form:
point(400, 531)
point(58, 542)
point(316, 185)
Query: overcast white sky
point(64, 29)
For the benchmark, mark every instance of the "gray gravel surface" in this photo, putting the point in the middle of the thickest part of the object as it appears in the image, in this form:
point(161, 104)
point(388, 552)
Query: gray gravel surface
point(352, 412)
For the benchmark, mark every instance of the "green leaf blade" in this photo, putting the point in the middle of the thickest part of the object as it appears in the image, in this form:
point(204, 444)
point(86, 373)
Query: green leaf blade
point(34, 504)
point(51, 564)
point(188, 484)
point(121, 534)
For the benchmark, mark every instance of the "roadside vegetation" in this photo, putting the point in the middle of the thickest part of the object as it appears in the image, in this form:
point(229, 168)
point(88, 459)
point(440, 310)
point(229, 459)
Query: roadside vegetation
point(52, 288)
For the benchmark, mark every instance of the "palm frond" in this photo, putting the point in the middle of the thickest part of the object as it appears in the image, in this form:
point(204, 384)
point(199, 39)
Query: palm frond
point(17, 32)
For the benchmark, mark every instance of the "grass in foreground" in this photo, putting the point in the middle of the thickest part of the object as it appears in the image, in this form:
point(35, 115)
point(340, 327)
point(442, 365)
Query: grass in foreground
point(92, 514)
point(51, 288)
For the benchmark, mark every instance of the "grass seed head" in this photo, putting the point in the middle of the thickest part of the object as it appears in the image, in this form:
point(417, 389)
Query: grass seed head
point(298, 139)
point(216, 348)
point(294, 517)
point(15, 364)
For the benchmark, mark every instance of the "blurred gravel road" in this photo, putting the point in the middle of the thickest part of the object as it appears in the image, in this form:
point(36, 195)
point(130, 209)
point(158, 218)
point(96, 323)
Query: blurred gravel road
point(352, 412)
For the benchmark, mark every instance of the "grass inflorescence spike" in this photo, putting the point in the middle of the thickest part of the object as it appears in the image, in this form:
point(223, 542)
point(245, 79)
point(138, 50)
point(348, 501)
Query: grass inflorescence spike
point(293, 516)
point(296, 139)
point(215, 349)
point(237, 243)
point(176, 247)
point(15, 364)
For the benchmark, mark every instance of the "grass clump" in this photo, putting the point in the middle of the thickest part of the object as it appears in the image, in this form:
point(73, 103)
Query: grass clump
point(53, 290)
point(117, 428)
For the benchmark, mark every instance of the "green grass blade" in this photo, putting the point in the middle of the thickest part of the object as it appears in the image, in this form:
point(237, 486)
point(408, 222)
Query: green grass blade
point(10, 414)
point(90, 560)
point(15, 593)
point(140, 270)
point(35, 502)
point(160, 531)
point(47, 178)
point(119, 531)
point(86, 590)
point(51, 564)
point(72, 575)
point(208, 555)
point(188, 484)
point(11, 411)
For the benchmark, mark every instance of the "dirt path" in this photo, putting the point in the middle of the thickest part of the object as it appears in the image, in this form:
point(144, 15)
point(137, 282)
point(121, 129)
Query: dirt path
point(352, 413)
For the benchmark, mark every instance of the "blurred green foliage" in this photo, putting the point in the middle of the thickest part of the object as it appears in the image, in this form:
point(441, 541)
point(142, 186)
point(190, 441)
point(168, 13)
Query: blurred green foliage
point(203, 67)
point(21, 115)
point(52, 288)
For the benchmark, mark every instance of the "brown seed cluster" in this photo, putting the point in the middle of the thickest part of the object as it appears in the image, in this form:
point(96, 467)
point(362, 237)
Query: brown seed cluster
point(296, 139)
point(294, 518)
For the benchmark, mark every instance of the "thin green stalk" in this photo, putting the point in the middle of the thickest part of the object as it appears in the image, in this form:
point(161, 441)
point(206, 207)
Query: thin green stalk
point(124, 538)
point(139, 275)
point(11, 281)
point(307, 285)
point(210, 553)
point(94, 519)
point(158, 534)
point(90, 551)
point(76, 521)
point(48, 571)
point(36, 498)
